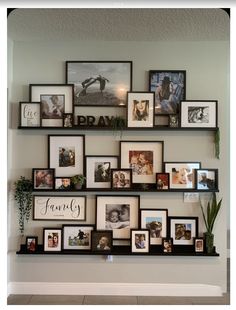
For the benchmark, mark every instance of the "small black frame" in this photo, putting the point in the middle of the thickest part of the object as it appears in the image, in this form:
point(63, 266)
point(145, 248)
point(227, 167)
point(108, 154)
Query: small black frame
point(206, 179)
point(31, 244)
point(102, 241)
point(121, 184)
point(42, 177)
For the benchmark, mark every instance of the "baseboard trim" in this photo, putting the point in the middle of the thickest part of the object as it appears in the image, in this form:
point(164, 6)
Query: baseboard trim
point(121, 289)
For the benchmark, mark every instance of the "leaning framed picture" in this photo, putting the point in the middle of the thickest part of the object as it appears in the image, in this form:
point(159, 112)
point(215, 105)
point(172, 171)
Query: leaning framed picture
point(63, 184)
point(30, 114)
point(77, 237)
point(170, 89)
point(66, 154)
point(43, 179)
point(98, 170)
point(117, 213)
point(198, 113)
point(140, 241)
point(183, 230)
point(207, 179)
point(167, 245)
point(102, 241)
point(199, 245)
point(155, 220)
point(145, 158)
point(52, 239)
point(182, 174)
point(140, 109)
point(59, 208)
point(121, 179)
point(100, 83)
point(55, 99)
point(31, 244)
point(163, 181)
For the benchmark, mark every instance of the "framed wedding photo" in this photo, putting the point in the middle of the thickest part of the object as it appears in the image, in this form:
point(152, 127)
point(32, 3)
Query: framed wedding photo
point(31, 244)
point(55, 99)
point(77, 237)
point(207, 179)
point(52, 238)
point(30, 114)
point(140, 241)
point(140, 109)
point(66, 154)
point(198, 113)
point(121, 179)
point(102, 241)
point(163, 181)
point(100, 83)
point(43, 179)
point(170, 89)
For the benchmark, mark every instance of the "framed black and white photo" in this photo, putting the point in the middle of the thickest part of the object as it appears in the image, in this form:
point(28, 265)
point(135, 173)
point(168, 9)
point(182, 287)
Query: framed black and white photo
point(207, 179)
point(199, 245)
point(145, 158)
point(100, 83)
point(155, 220)
point(63, 183)
point(59, 208)
point(55, 99)
point(52, 238)
point(121, 179)
point(31, 243)
point(198, 113)
point(140, 109)
point(140, 241)
point(183, 230)
point(77, 237)
point(68, 120)
point(169, 87)
point(182, 174)
point(163, 181)
point(30, 114)
point(43, 179)
point(102, 241)
point(167, 245)
point(98, 170)
point(66, 154)
point(117, 213)
point(173, 120)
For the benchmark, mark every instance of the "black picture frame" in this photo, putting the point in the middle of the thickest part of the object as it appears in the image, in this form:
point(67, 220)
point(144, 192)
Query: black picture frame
point(43, 179)
point(102, 241)
point(163, 181)
point(167, 245)
point(68, 120)
point(140, 241)
point(206, 179)
point(63, 184)
point(199, 245)
point(49, 244)
point(31, 244)
point(30, 114)
point(174, 121)
point(120, 182)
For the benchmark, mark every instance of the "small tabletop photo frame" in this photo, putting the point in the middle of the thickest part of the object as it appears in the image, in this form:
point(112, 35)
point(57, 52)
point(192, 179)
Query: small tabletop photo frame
point(167, 245)
point(163, 181)
point(199, 245)
point(140, 241)
point(31, 244)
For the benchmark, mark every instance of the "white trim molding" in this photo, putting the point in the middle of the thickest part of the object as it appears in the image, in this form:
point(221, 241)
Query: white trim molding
point(121, 289)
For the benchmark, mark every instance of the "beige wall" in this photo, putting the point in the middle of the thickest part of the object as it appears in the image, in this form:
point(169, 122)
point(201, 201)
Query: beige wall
point(207, 66)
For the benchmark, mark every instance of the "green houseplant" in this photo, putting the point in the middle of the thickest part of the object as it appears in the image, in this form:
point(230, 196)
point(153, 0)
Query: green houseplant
point(78, 181)
point(209, 217)
point(23, 197)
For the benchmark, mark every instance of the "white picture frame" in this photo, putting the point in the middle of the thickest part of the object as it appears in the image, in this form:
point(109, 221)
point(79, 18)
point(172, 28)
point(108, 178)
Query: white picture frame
point(52, 239)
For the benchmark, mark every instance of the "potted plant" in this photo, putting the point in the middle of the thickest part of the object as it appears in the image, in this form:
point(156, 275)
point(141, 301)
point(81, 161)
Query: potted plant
point(78, 181)
point(23, 197)
point(209, 217)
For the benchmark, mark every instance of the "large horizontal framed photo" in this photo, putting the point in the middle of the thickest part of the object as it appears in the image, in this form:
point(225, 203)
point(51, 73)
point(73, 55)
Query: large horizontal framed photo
point(121, 179)
point(43, 179)
point(140, 241)
point(198, 113)
point(182, 174)
point(30, 114)
point(55, 99)
point(117, 213)
point(59, 208)
point(77, 237)
point(100, 83)
point(52, 238)
point(66, 154)
point(207, 179)
point(145, 158)
point(169, 87)
point(98, 170)
point(140, 110)
point(155, 220)
point(183, 230)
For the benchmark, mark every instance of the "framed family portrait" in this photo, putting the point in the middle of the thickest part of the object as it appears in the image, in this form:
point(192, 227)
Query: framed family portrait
point(98, 170)
point(52, 239)
point(183, 230)
point(140, 109)
point(155, 220)
point(182, 174)
point(169, 87)
point(118, 214)
point(55, 99)
point(31, 244)
point(100, 83)
point(30, 114)
point(66, 154)
point(145, 158)
point(121, 178)
point(43, 179)
point(59, 208)
point(207, 179)
point(163, 181)
point(77, 237)
point(198, 113)
point(102, 241)
point(167, 245)
point(140, 241)
point(63, 183)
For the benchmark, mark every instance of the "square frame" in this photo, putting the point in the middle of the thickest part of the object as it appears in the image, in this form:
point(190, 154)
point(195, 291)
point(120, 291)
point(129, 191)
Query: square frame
point(206, 179)
point(42, 178)
point(30, 114)
point(163, 181)
point(122, 180)
point(139, 245)
point(50, 244)
point(115, 78)
point(97, 237)
point(167, 245)
point(31, 244)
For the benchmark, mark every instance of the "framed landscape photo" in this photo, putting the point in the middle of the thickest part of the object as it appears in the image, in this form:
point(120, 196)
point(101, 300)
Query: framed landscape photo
point(30, 114)
point(163, 181)
point(43, 179)
point(169, 87)
point(167, 245)
point(102, 241)
point(155, 220)
point(121, 179)
point(66, 154)
point(52, 239)
point(55, 99)
point(140, 109)
point(182, 174)
point(59, 208)
point(140, 241)
point(118, 214)
point(77, 237)
point(31, 244)
point(145, 158)
point(98, 170)
point(198, 113)
point(63, 183)
point(100, 83)
point(207, 179)
point(183, 230)
point(199, 245)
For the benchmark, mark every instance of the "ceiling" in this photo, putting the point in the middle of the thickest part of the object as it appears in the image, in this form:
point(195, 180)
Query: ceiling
point(118, 24)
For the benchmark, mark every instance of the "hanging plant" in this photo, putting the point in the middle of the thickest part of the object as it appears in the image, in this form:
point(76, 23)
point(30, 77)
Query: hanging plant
point(118, 123)
point(217, 143)
point(23, 197)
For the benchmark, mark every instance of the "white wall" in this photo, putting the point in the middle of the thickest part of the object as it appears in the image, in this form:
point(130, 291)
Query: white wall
point(207, 66)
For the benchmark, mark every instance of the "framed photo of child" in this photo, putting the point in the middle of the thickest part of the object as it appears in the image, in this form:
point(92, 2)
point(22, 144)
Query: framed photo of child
point(121, 179)
point(140, 241)
point(199, 245)
point(163, 181)
point(167, 245)
point(43, 179)
point(31, 244)
point(102, 241)
point(52, 239)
